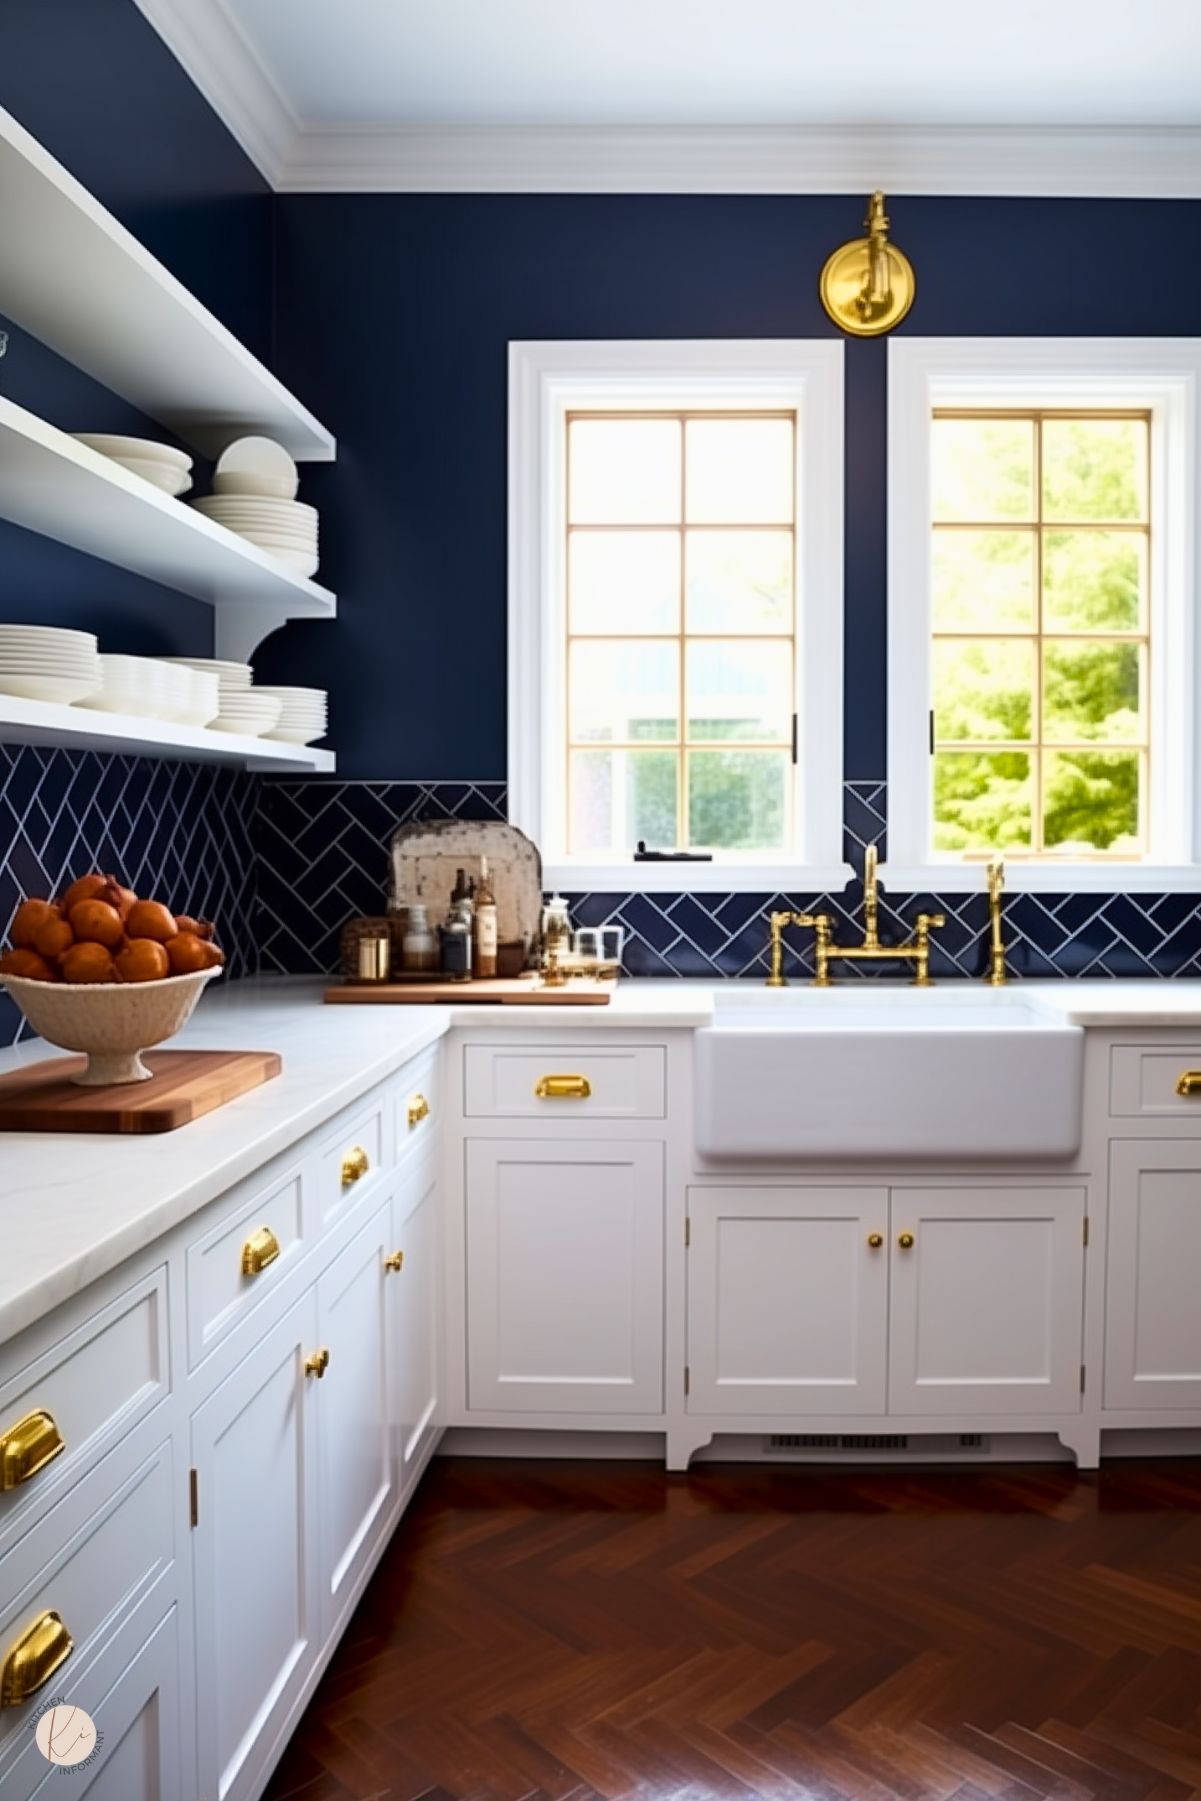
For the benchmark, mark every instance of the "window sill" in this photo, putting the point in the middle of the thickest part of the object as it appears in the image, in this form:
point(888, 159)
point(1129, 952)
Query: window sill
point(1044, 878)
point(581, 877)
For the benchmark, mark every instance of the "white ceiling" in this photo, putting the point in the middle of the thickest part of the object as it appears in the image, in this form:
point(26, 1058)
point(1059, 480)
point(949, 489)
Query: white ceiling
point(731, 62)
point(1058, 97)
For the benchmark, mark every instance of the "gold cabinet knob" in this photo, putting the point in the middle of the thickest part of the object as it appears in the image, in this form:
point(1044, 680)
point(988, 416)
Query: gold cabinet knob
point(260, 1249)
point(355, 1165)
point(317, 1362)
point(1189, 1083)
point(28, 1447)
point(419, 1109)
point(33, 1658)
point(394, 1262)
point(562, 1088)
point(906, 1241)
point(875, 1240)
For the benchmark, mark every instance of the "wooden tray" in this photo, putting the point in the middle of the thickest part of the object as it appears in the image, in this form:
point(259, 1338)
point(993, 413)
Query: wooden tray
point(508, 991)
point(185, 1085)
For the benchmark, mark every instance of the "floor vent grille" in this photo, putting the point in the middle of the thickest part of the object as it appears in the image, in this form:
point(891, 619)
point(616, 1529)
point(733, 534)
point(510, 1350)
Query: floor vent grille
point(933, 1444)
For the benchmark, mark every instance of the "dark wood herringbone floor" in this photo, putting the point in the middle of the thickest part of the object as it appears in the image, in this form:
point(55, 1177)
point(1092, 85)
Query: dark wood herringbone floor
point(563, 1632)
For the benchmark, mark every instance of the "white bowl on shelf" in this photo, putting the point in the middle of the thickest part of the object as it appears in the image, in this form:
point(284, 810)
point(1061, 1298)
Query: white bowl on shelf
point(113, 1022)
point(143, 688)
point(256, 465)
point(160, 464)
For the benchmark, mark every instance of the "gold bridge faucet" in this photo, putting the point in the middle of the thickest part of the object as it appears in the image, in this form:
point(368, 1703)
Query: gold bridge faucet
point(917, 951)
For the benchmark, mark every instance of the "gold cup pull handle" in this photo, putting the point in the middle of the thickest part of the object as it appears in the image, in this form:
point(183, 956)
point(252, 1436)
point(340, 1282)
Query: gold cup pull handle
point(317, 1362)
point(1189, 1083)
point(563, 1088)
point(355, 1165)
point(31, 1661)
point(419, 1109)
point(906, 1241)
point(875, 1240)
point(260, 1249)
point(28, 1447)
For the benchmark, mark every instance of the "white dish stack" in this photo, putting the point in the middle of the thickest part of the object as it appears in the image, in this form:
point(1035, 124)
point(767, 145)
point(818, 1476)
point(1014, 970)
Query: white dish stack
point(46, 662)
point(304, 715)
point(242, 708)
point(159, 464)
point(154, 688)
point(254, 496)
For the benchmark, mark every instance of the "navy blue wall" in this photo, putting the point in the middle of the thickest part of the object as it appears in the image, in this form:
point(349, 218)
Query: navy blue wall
point(97, 86)
point(393, 316)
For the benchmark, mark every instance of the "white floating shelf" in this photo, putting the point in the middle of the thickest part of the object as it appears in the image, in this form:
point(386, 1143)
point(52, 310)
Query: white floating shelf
point(79, 728)
point(73, 276)
point(52, 484)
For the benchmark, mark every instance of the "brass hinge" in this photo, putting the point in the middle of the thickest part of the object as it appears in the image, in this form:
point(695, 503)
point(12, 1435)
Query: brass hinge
point(687, 1378)
point(194, 1495)
point(1082, 1378)
point(1085, 1234)
point(687, 1233)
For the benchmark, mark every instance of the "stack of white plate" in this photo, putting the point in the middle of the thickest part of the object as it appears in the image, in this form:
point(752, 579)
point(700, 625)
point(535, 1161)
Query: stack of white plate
point(159, 464)
point(246, 711)
point(304, 716)
point(152, 688)
point(285, 528)
point(45, 662)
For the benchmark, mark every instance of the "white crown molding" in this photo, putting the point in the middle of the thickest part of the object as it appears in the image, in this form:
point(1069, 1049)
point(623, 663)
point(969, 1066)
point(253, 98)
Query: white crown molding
point(210, 45)
point(1118, 162)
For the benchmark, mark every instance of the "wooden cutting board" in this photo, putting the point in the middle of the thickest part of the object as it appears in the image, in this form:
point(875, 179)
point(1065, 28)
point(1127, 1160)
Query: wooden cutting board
point(185, 1085)
point(510, 991)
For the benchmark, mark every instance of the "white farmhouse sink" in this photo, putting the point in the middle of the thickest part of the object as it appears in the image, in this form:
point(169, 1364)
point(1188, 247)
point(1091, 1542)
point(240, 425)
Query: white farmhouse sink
point(886, 1072)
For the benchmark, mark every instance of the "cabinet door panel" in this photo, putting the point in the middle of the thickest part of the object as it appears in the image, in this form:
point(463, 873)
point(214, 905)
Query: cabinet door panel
point(1152, 1311)
point(415, 1312)
point(357, 1481)
point(255, 1552)
point(565, 1277)
point(786, 1300)
point(986, 1307)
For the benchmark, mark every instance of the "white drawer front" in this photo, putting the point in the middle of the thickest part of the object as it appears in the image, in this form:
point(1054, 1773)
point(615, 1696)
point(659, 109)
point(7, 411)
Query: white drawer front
point(94, 1383)
point(92, 1570)
point(1145, 1081)
point(242, 1258)
point(360, 1148)
point(565, 1083)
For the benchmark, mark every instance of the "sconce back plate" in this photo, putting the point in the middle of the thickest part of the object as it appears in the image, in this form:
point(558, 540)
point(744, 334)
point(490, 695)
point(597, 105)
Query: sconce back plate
point(844, 279)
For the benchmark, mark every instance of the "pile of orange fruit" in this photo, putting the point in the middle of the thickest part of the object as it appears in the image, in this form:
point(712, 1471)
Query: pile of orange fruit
point(101, 932)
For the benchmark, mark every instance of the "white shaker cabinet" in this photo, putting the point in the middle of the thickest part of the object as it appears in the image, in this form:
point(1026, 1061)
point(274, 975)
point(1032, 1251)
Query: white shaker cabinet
point(415, 1276)
point(1153, 1266)
point(357, 1479)
point(787, 1300)
point(987, 1292)
point(255, 1552)
point(565, 1275)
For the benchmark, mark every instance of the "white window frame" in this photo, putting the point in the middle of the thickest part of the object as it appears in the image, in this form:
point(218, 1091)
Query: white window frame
point(546, 382)
point(1161, 374)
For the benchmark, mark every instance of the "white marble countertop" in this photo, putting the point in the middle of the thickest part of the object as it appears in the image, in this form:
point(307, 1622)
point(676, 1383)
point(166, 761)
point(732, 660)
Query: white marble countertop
point(72, 1208)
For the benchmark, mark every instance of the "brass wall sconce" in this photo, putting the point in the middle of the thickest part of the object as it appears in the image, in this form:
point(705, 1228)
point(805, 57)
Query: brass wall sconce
point(868, 285)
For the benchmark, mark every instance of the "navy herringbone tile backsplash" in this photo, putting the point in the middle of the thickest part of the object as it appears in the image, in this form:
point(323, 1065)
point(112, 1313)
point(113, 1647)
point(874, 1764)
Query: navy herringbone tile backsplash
point(178, 831)
point(323, 859)
point(282, 864)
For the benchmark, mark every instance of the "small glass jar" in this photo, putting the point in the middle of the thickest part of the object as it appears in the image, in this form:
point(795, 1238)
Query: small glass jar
point(418, 948)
